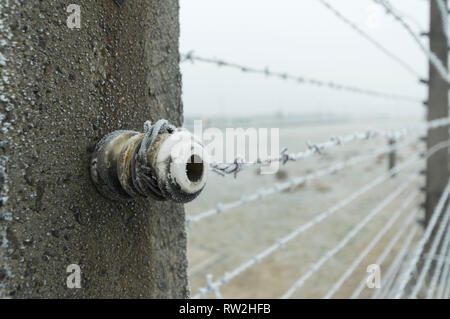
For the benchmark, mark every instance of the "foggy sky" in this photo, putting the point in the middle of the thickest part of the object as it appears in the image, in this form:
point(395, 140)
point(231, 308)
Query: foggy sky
point(300, 37)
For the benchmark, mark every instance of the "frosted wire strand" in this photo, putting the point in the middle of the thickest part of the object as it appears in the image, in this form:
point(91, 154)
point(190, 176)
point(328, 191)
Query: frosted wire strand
point(355, 230)
point(387, 250)
point(439, 66)
point(438, 269)
point(421, 244)
point(317, 148)
point(445, 272)
point(370, 246)
point(190, 56)
point(366, 36)
point(389, 277)
point(301, 229)
point(281, 242)
point(444, 16)
point(278, 188)
point(434, 246)
point(446, 294)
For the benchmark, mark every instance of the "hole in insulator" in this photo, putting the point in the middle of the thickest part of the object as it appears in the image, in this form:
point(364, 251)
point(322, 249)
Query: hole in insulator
point(194, 168)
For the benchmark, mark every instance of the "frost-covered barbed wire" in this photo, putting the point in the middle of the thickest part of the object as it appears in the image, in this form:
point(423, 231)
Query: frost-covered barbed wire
point(445, 273)
point(406, 275)
point(443, 223)
point(444, 16)
point(393, 268)
point(385, 253)
point(437, 63)
point(438, 269)
point(446, 294)
point(388, 279)
point(301, 229)
point(190, 56)
point(369, 38)
point(239, 165)
point(280, 187)
point(372, 244)
point(355, 230)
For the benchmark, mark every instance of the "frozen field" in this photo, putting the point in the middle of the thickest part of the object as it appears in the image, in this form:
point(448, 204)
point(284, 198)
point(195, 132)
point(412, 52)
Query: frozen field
point(222, 242)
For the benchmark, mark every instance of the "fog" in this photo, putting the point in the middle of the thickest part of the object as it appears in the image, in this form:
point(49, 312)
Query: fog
point(300, 37)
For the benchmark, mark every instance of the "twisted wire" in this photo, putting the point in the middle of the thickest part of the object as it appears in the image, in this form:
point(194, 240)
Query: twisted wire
point(280, 187)
point(191, 57)
point(301, 229)
point(355, 230)
point(434, 60)
point(406, 275)
point(366, 36)
point(239, 165)
point(370, 246)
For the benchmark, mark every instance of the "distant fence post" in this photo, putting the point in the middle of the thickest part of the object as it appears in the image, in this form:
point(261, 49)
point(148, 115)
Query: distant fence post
point(437, 171)
point(392, 154)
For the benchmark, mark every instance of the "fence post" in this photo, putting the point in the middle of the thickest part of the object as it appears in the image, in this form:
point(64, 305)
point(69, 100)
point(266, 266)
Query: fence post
point(392, 155)
point(62, 90)
point(437, 171)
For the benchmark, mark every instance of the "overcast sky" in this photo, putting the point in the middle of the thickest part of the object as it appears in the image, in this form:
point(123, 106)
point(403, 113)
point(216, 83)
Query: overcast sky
point(300, 37)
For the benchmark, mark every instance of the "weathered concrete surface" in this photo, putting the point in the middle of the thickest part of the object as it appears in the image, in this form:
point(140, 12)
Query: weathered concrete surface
point(61, 91)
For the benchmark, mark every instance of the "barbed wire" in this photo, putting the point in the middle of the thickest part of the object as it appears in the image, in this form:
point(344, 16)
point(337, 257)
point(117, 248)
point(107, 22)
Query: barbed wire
point(445, 273)
point(444, 16)
point(279, 187)
point(366, 36)
point(432, 251)
point(355, 230)
point(438, 269)
point(403, 281)
point(301, 229)
point(434, 60)
point(239, 165)
point(388, 279)
point(190, 56)
point(211, 287)
point(446, 294)
point(385, 253)
point(371, 245)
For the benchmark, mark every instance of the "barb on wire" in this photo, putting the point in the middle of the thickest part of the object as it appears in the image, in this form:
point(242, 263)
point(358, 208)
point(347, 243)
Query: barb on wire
point(317, 148)
point(301, 229)
point(355, 230)
point(371, 245)
point(366, 36)
point(406, 275)
point(279, 187)
point(434, 60)
point(190, 56)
